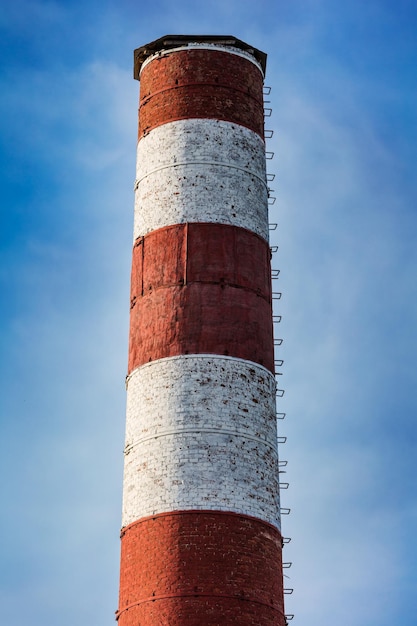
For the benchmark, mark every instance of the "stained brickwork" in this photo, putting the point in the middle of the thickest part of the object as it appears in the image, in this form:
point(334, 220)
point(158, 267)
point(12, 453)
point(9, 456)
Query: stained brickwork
point(197, 83)
point(201, 390)
point(201, 568)
point(201, 170)
point(201, 288)
point(201, 434)
point(201, 542)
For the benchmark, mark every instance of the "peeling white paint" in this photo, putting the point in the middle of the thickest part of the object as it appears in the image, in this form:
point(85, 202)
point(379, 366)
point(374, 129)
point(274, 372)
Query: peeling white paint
point(201, 434)
point(201, 170)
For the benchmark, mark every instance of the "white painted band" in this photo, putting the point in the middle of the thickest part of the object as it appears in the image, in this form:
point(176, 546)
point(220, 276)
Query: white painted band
point(203, 46)
point(201, 170)
point(219, 431)
point(201, 434)
point(218, 163)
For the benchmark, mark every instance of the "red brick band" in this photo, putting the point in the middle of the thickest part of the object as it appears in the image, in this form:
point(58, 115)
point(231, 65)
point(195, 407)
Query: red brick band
point(201, 83)
point(194, 595)
point(146, 99)
point(201, 289)
point(201, 568)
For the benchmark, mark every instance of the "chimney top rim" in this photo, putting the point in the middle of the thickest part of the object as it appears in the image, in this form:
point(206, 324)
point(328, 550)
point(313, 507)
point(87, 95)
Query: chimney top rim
point(174, 41)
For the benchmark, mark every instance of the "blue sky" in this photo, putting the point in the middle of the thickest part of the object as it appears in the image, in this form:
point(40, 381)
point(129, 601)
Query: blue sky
point(343, 78)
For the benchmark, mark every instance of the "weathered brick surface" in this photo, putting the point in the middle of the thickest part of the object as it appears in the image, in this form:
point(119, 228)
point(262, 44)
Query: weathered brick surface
point(201, 83)
point(201, 318)
point(201, 569)
point(217, 47)
point(206, 253)
point(201, 170)
point(201, 543)
point(201, 391)
point(201, 288)
point(201, 434)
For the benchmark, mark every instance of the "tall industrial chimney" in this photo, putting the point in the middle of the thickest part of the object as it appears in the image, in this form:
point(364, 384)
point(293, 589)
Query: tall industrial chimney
point(201, 538)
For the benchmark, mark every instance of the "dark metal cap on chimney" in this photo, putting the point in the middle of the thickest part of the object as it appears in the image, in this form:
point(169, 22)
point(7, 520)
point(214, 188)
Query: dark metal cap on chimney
point(174, 41)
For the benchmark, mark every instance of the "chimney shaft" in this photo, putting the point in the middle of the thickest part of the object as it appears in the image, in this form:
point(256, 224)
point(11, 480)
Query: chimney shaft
point(201, 540)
